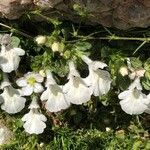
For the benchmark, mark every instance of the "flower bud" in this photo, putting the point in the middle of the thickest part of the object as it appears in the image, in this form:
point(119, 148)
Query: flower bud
point(137, 73)
point(41, 144)
point(123, 71)
point(40, 40)
point(140, 73)
point(42, 73)
point(108, 129)
point(57, 47)
point(67, 54)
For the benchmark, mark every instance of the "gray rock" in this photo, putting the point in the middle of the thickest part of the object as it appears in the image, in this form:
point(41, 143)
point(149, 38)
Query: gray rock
point(6, 135)
point(122, 14)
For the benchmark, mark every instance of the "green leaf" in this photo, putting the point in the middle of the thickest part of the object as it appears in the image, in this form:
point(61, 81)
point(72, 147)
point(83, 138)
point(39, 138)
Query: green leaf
point(146, 84)
point(136, 63)
point(82, 46)
point(147, 65)
point(105, 52)
point(15, 41)
point(122, 82)
point(147, 75)
point(81, 11)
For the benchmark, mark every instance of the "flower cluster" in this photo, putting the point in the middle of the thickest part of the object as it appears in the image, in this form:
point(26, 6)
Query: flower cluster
point(11, 99)
point(133, 101)
point(56, 97)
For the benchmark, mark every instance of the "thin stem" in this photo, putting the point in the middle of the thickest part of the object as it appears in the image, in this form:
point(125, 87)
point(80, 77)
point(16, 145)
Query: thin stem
point(143, 43)
point(108, 31)
point(15, 30)
point(138, 121)
point(113, 37)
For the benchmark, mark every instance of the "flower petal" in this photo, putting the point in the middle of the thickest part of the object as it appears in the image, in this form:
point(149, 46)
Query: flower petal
point(56, 99)
point(133, 101)
point(34, 104)
point(34, 122)
point(98, 65)
point(27, 90)
point(21, 82)
point(124, 94)
point(38, 88)
point(13, 102)
point(136, 84)
point(78, 92)
point(19, 51)
point(132, 107)
point(38, 77)
point(44, 95)
point(101, 82)
point(12, 62)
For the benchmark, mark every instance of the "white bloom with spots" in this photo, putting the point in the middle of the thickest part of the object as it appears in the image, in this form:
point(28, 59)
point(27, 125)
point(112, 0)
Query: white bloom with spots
point(99, 80)
point(31, 82)
point(133, 101)
point(76, 90)
point(53, 95)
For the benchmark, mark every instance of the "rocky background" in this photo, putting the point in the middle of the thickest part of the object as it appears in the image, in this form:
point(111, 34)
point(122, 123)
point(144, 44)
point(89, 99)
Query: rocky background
point(122, 14)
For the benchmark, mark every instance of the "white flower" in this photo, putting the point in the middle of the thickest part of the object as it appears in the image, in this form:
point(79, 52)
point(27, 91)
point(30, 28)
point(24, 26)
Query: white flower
point(31, 82)
point(34, 120)
point(41, 39)
point(9, 57)
point(98, 79)
point(34, 104)
point(76, 90)
point(11, 99)
point(133, 101)
point(53, 95)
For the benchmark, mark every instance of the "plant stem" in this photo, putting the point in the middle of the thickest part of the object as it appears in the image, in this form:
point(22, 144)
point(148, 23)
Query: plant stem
point(15, 30)
point(113, 37)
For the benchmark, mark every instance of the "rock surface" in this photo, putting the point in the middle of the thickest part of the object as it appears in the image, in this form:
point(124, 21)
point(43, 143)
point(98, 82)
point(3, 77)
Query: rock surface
point(122, 14)
point(6, 135)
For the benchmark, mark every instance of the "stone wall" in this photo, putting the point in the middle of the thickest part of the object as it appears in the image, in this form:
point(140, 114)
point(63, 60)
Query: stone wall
point(122, 14)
